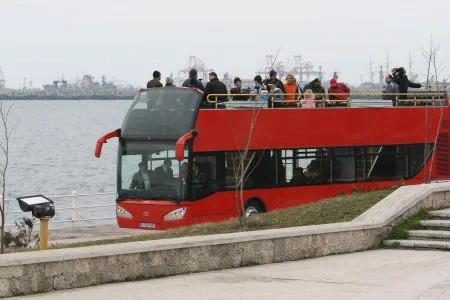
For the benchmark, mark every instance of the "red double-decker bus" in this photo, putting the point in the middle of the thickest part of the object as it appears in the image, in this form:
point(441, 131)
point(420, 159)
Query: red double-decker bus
point(176, 162)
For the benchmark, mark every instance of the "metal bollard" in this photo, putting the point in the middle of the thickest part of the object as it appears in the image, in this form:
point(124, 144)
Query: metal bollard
point(74, 209)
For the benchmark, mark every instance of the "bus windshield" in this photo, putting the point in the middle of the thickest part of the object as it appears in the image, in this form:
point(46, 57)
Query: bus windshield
point(162, 113)
point(149, 170)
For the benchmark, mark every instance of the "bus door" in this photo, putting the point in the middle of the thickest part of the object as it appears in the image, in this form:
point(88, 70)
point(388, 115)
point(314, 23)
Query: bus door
point(211, 203)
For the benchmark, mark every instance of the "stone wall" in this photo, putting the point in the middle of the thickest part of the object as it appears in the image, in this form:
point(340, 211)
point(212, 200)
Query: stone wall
point(32, 272)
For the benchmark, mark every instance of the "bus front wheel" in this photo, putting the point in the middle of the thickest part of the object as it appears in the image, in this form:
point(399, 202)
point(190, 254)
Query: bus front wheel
point(253, 207)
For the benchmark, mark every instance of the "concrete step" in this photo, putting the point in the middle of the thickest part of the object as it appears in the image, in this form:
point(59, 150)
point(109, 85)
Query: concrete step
point(440, 214)
point(420, 244)
point(441, 224)
point(429, 234)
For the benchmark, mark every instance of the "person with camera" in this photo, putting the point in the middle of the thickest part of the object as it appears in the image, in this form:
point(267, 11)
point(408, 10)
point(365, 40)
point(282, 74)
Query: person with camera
point(400, 78)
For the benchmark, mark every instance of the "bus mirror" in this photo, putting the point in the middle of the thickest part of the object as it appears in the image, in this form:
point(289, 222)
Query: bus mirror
point(104, 139)
point(182, 141)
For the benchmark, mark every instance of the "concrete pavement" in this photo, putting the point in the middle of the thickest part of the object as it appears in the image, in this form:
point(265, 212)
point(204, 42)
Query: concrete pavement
point(380, 274)
point(80, 234)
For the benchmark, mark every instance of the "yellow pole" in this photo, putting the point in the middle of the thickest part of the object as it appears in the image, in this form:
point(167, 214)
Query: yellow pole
point(43, 235)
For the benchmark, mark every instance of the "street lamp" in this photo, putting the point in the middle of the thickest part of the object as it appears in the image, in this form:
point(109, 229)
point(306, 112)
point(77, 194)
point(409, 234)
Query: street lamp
point(42, 208)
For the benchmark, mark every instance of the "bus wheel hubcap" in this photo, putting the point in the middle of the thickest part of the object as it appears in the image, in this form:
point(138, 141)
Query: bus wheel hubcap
point(250, 211)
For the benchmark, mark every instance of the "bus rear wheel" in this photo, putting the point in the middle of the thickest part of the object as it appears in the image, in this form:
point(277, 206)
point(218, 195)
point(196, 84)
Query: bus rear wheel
point(252, 208)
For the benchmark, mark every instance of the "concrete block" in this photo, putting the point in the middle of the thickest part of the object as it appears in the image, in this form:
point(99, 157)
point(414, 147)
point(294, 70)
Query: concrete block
point(421, 244)
point(443, 224)
point(444, 213)
point(429, 234)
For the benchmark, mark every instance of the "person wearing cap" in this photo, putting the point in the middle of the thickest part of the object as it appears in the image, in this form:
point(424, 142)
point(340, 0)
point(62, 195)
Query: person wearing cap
point(337, 91)
point(193, 75)
point(156, 81)
point(169, 82)
point(214, 86)
point(316, 87)
point(274, 80)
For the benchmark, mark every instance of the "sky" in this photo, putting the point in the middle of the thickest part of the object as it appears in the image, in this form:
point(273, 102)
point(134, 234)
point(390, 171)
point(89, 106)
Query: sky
point(43, 40)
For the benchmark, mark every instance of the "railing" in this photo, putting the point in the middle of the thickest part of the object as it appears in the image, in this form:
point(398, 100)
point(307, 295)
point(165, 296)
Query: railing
point(417, 98)
point(74, 207)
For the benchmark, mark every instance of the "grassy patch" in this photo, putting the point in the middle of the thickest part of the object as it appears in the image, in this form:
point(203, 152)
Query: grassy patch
point(340, 209)
point(395, 245)
point(400, 231)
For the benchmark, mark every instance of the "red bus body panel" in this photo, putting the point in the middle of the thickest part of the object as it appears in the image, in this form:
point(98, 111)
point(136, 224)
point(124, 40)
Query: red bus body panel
point(220, 130)
point(309, 128)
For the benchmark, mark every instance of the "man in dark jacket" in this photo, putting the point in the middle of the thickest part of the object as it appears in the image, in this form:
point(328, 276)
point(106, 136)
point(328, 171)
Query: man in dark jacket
point(316, 87)
point(237, 89)
point(156, 81)
point(193, 75)
point(164, 173)
point(274, 80)
point(214, 86)
point(400, 78)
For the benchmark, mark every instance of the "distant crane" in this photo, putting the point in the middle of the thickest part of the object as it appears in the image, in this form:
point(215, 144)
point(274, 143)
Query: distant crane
point(2, 79)
point(196, 63)
point(305, 68)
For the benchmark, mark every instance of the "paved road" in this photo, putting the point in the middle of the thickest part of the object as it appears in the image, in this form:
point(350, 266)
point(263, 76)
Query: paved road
point(381, 274)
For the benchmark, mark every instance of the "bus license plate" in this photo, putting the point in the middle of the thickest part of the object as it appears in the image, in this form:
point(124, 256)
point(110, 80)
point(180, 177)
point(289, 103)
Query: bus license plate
point(147, 225)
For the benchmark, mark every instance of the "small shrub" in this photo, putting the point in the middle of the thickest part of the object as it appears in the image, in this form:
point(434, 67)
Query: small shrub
point(24, 237)
point(400, 231)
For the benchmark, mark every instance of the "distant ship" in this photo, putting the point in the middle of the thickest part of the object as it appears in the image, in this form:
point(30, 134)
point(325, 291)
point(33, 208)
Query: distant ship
point(86, 89)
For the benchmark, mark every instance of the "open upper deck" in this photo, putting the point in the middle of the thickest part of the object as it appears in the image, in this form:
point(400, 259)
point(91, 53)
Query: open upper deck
point(170, 113)
point(436, 97)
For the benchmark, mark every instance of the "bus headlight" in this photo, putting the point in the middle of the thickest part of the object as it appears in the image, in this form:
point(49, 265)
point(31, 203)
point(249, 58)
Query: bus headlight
point(123, 212)
point(176, 214)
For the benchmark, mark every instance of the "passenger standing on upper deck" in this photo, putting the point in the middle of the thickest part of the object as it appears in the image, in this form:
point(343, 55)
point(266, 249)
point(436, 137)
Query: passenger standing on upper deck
point(156, 81)
point(237, 89)
point(260, 90)
point(400, 78)
point(193, 75)
point(316, 87)
point(169, 82)
point(390, 88)
point(293, 90)
point(337, 88)
point(309, 99)
point(214, 86)
point(258, 85)
point(274, 80)
point(275, 96)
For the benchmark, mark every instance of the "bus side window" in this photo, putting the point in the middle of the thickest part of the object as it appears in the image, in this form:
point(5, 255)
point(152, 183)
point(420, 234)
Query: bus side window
point(204, 175)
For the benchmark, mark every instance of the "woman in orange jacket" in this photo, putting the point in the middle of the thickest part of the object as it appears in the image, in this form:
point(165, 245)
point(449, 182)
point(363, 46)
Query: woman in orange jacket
point(293, 91)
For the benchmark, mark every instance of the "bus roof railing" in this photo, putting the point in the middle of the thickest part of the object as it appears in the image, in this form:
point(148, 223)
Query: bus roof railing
point(414, 97)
